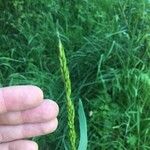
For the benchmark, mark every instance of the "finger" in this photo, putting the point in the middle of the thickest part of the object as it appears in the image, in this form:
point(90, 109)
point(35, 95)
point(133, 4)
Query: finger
point(18, 98)
point(11, 133)
point(19, 145)
point(47, 111)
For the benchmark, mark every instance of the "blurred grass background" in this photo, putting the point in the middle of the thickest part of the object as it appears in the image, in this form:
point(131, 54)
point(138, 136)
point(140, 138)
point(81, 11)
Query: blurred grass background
point(107, 43)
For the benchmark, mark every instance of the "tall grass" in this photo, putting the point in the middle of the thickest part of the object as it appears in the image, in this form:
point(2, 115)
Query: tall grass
point(108, 52)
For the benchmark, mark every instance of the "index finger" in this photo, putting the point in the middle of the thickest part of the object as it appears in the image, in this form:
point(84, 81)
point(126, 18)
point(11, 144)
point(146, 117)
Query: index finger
point(16, 98)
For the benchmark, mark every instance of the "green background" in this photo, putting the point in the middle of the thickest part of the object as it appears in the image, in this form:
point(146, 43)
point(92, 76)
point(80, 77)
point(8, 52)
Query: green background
point(107, 44)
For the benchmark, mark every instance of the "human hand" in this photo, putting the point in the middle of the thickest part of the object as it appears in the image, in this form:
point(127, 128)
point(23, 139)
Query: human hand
point(24, 114)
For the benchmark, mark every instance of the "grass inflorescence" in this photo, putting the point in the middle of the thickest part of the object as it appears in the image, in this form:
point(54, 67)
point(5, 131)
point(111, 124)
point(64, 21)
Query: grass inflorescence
point(69, 102)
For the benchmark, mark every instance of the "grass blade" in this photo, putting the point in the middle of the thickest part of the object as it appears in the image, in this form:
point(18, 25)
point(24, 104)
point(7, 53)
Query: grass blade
point(83, 127)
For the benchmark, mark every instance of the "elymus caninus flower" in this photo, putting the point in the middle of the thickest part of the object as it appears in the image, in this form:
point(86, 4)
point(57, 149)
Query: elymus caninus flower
point(69, 103)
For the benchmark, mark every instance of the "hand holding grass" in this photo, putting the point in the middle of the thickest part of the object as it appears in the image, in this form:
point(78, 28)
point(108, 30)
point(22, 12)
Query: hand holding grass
point(24, 114)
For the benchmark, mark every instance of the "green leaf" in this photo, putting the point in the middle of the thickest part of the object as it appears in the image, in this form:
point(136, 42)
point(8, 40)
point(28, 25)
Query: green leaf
point(65, 146)
point(83, 127)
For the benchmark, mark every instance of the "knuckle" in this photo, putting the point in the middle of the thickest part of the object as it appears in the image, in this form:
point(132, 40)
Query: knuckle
point(2, 137)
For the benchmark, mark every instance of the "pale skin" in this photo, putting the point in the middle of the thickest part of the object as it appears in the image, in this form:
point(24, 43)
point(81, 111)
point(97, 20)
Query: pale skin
point(23, 114)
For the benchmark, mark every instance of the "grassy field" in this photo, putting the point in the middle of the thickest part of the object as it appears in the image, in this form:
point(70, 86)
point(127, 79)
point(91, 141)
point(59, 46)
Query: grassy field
point(107, 45)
